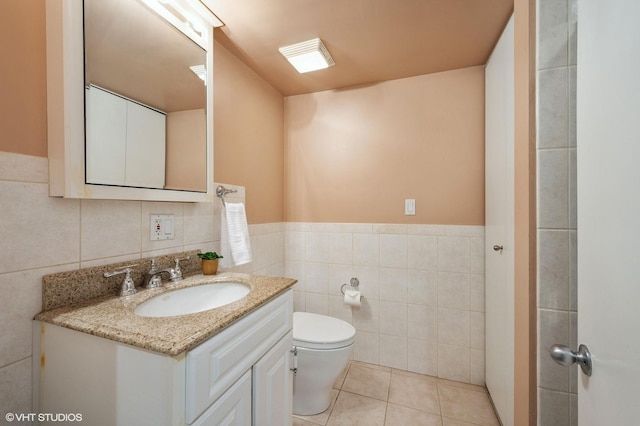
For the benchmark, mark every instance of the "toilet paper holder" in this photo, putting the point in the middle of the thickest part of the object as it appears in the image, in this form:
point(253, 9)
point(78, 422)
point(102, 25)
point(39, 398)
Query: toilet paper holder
point(354, 283)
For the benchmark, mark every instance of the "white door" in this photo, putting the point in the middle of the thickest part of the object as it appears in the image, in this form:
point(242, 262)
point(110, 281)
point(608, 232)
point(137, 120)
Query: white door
point(499, 225)
point(608, 159)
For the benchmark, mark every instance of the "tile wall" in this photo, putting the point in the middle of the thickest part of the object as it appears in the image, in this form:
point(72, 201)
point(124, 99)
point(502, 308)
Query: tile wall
point(557, 219)
point(42, 235)
point(423, 309)
point(423, 284)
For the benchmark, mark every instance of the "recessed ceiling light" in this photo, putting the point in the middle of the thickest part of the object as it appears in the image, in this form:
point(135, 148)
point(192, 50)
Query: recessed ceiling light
point(308, 55)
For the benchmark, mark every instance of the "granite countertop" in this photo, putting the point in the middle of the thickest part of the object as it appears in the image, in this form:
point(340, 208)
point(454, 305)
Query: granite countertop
point(113, 317)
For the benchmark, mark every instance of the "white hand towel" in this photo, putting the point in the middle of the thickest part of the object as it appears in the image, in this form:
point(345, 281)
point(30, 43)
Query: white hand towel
point(235, 243)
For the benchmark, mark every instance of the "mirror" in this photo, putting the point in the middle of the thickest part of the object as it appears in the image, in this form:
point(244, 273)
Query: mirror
point(191, 26)
point(145, 99)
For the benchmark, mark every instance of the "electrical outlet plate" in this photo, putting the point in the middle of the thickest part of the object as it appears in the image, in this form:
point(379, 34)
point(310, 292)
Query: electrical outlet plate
point(161, 227)
point(410, 207)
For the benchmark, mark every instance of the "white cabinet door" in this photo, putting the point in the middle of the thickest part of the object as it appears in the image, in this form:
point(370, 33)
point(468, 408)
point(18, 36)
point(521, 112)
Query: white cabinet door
point(106, 140)
point(499, 214)
point(233, 408)
point(146, 147)
point(273, 385)
point(125, 142)
point(217, 363)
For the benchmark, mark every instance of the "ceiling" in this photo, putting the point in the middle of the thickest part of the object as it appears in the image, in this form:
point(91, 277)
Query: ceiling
point(370, 40)
point(131, 51)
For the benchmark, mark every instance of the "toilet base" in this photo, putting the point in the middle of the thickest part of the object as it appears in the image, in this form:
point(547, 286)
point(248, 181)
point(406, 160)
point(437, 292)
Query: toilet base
point(310, 405)
point(317, 372)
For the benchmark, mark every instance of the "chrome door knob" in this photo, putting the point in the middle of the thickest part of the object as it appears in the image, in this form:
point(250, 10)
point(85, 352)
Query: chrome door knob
point(563, 355)
point(498, 248)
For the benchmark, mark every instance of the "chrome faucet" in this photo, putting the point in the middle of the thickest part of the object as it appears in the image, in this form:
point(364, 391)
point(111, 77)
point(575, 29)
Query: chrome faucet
point(153, 279)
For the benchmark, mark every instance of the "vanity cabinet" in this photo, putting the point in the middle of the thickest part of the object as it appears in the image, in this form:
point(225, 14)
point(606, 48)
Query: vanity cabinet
point(126, 141)
point(240, 376)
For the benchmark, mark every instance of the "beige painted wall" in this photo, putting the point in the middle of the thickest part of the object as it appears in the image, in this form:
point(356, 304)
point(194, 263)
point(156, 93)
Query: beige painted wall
point(249, 136)
point(23, 86)
point(355, 155)
point(186, 166)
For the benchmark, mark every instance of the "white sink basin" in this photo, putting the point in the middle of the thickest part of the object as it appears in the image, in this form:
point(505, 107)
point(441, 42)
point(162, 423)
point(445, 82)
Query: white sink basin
point(194, 299)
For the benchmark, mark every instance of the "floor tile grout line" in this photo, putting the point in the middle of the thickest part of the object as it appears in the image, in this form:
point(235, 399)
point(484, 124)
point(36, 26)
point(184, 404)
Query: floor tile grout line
point(439, 402)
point(484, 390)
point(334, 406)
point(388, 393)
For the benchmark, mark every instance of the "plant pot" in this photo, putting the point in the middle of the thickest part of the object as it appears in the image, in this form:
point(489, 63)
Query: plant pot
point(209, 266)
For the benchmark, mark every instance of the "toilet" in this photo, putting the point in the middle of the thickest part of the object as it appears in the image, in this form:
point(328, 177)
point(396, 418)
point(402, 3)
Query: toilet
point(323, 345)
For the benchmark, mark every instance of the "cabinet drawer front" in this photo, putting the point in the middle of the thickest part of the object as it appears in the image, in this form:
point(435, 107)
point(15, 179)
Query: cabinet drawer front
point(216, 364)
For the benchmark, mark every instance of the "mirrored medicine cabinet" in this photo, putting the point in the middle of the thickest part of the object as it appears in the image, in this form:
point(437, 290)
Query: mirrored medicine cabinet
point(130, 112)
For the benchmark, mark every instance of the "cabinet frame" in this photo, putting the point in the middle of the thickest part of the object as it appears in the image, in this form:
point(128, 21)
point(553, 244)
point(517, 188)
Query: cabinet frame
point(65, 111)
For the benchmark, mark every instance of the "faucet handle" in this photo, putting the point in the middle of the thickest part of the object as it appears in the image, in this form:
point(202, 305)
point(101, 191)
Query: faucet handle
point(123, 270)
point(128, 286)
point(178, 271)
point(152, 267)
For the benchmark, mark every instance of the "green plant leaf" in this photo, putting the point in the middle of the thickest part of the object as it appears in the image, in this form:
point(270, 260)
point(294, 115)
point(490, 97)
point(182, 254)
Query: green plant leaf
point(210, 255)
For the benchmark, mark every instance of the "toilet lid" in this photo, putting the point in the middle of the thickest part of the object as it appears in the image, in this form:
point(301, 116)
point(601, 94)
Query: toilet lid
point(315, 331)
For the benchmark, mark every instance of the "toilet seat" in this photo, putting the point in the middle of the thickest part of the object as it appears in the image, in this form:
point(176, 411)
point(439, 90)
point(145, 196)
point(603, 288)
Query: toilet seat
point(313, 331)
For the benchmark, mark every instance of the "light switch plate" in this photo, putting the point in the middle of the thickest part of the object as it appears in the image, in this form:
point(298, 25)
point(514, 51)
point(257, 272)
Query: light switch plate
point(410, 207)
point(161, 227)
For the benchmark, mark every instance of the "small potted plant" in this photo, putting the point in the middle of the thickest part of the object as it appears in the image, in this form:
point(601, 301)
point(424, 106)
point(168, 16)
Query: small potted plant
point(209, 262)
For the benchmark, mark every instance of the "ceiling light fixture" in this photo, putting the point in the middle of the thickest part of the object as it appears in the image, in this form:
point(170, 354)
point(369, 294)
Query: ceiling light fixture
point(187, 16)
point(308, 55)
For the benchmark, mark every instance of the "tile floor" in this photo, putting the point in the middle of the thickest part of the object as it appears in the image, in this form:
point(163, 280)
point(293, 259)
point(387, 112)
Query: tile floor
point(372, 395)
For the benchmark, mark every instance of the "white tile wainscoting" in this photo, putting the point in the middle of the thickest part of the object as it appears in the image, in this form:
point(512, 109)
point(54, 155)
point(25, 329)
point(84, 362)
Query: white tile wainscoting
point(423, 287)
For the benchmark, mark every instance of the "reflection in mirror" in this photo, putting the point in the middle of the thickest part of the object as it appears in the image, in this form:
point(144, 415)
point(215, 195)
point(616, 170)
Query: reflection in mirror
point(144, 99)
